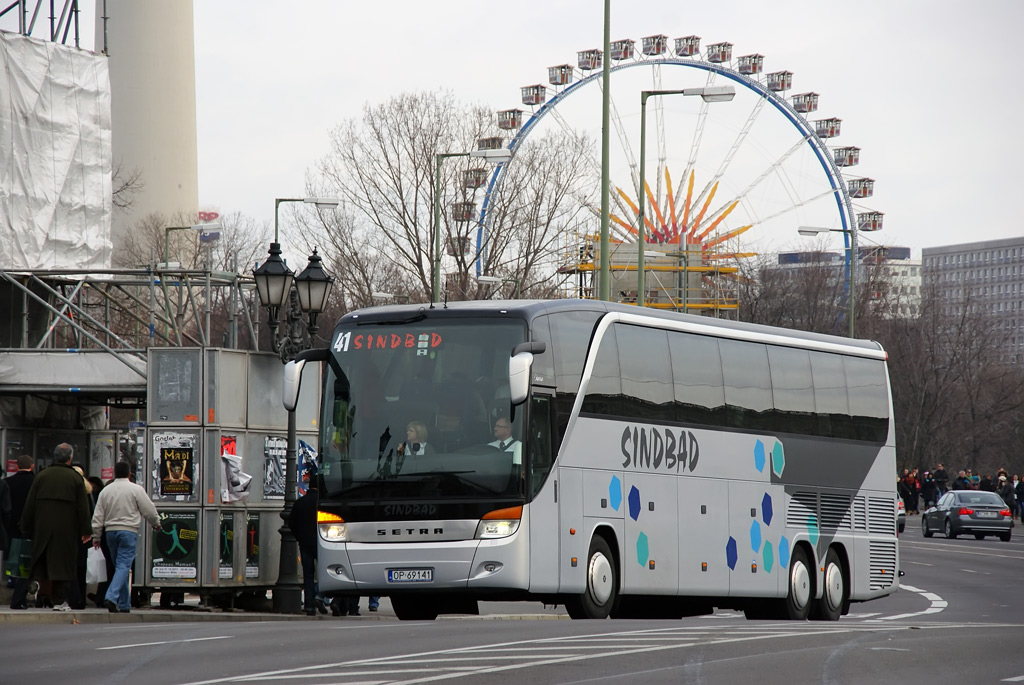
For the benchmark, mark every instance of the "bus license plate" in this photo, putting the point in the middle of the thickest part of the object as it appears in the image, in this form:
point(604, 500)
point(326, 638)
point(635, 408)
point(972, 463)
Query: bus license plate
point(410, 575)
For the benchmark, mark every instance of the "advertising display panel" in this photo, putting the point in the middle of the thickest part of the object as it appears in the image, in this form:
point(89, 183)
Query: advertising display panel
point(175, 548)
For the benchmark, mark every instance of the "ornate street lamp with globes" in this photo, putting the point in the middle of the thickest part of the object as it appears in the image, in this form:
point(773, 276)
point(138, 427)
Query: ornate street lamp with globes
point(306, 294)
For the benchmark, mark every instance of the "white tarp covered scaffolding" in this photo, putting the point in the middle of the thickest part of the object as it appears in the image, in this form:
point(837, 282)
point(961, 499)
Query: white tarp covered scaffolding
point(55, 156)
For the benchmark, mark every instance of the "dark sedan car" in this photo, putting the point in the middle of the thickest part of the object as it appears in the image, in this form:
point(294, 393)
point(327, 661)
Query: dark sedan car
point(968, 511)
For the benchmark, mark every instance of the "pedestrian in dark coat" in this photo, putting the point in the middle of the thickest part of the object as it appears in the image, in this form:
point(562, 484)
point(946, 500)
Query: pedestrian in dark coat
point(57, 513)
point(20, 483)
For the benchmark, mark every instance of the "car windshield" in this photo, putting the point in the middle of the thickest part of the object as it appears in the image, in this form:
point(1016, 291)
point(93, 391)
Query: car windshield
point(421, 410)
point(979, 497)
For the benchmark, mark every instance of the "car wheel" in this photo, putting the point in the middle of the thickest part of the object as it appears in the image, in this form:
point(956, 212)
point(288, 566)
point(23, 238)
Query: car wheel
point(1005, 537)
point(833, 598)
point(602, 584)
point(925, 530)
point(801, 586)
point(949, 530)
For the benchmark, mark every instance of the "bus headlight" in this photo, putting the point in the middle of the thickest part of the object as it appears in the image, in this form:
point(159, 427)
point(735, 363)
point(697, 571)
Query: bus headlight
point(499, 523)
point(332, 527)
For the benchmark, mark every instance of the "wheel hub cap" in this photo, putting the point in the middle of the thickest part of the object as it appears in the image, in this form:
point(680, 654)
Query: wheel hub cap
point(801, 584)
point(833, 586)
point(601, 581)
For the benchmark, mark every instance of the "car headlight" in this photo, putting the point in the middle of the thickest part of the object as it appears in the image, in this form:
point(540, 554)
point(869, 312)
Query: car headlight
point(332, 527)
point(499, 523)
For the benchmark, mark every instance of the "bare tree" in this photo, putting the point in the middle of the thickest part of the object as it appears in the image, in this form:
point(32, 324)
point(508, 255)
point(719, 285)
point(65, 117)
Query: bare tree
point(384, 167)
point(126, 184)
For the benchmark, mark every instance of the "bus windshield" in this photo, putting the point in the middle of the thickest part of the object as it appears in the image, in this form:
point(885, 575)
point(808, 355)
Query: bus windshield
point(421, 411)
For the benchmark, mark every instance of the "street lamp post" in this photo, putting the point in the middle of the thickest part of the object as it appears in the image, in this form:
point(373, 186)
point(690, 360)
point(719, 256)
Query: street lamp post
point(307, 294)
point(320, 202)
point(499, 156)
point(851, 278)
point(709, 94)
point(500, 281)
point(195, 227)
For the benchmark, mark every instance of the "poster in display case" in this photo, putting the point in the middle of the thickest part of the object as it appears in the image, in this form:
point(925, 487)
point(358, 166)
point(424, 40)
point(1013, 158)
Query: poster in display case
point(175, 548)
point(175, 466)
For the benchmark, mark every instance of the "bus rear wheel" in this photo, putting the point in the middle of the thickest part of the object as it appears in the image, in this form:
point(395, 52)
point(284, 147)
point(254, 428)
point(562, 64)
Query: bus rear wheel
point(833, 598)
point(415, 608)
point(801, 586)
point(602, 584)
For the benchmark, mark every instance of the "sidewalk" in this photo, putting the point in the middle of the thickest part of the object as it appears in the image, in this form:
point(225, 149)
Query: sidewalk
point(189, 612)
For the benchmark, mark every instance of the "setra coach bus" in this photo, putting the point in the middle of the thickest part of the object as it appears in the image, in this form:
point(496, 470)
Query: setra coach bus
point(619, 461)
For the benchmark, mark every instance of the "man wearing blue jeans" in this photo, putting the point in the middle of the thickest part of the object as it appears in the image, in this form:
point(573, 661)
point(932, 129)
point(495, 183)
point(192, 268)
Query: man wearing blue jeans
point(119, 512)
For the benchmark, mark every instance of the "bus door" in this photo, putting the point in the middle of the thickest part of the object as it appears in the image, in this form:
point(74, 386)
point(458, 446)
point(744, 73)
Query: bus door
point(757, 532)
point(703, 536)
point(650, 555)
point(545, 491)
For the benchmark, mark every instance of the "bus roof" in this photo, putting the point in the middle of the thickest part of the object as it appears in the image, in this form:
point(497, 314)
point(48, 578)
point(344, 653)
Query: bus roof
point(530, 309)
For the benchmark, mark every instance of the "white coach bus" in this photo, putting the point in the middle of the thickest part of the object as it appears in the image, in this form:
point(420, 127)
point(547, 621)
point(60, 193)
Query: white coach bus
point(616, 460)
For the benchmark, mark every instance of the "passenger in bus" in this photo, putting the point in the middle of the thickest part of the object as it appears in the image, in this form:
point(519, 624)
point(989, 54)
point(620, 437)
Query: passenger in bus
point(415, 440)
point(505, 442)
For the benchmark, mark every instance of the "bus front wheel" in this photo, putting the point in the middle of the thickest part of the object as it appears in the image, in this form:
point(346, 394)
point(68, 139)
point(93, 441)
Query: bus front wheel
point(602, 584)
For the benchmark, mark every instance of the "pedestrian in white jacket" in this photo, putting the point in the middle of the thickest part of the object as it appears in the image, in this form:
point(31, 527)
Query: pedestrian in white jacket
point(119, 512)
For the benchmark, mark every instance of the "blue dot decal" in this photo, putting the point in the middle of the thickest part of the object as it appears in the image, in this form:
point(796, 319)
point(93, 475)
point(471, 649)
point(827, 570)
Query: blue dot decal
point(755, 535)
point(634, 503)
point(766, 509)
point(730, 553)
point(784, 552)
point(615, 493)
point(759, 456)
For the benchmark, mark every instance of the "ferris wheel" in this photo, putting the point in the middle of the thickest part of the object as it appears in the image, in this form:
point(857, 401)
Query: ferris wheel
point(716, 174)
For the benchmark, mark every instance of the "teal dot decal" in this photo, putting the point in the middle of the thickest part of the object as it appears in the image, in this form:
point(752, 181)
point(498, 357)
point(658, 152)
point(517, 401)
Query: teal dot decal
point(641, 549)
point(755, 535)
point(812, 529)
point(759, 456)
point(778, 459)
point(784, 552)
point(768, 557)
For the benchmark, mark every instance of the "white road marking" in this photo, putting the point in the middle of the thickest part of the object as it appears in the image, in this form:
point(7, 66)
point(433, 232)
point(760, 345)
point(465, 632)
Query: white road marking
point(166, 642)
point(1015, 679)
point(937, 604)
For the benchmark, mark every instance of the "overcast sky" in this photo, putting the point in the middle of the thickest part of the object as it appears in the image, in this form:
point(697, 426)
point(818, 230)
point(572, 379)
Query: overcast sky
point(924, 87)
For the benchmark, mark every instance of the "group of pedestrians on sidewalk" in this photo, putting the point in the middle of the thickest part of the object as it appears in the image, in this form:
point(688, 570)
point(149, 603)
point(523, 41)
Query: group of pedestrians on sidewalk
point(926, 489)
point(59, 517)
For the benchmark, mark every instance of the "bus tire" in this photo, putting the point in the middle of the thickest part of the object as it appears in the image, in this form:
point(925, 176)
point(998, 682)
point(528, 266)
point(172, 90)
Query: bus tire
point(602, 584)
point(833, 596)
point(801, 586)
point(414, 607)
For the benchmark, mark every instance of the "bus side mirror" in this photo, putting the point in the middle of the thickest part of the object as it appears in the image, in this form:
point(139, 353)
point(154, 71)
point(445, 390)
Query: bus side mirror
point(519, 366)
point(291, 382)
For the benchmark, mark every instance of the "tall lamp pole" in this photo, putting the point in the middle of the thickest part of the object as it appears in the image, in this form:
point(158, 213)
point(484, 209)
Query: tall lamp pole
point(709, 94)
point(306, 294)
point(851, 277)
point(499, 156)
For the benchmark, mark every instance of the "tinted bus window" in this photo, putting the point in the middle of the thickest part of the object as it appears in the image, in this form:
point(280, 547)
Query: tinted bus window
point(792, 390)
point(543, 370)
point(646, 373)
point(869, 401)
point(697, 379)
point(570, 337)
point(830, 395)
point(604, 391)
point(748, 385)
